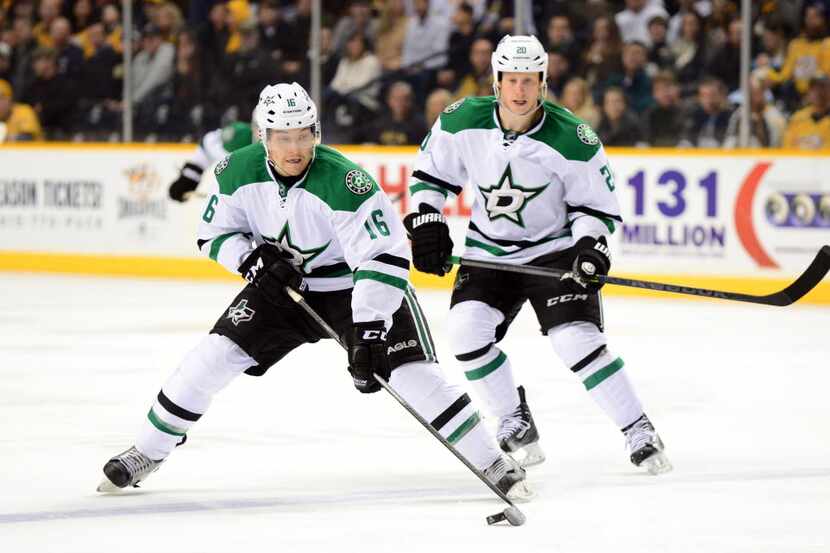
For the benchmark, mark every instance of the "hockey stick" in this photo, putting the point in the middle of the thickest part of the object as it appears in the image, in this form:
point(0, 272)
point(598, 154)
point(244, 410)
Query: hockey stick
point(511, 514)
point(792, 293)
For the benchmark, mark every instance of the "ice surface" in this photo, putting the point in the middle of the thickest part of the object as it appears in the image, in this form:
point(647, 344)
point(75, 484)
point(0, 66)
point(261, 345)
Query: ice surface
point(299, 461)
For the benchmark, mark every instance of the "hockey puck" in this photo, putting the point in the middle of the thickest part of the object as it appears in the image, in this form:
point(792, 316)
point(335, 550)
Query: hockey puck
point(512, 515)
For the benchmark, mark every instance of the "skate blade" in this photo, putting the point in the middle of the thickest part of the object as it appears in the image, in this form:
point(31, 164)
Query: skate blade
point(657, 464)
point(107, 487)
point(520, 492)
point(533, 455)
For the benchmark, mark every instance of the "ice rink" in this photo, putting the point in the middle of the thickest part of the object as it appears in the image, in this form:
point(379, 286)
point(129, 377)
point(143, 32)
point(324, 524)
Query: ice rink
point(299, 461)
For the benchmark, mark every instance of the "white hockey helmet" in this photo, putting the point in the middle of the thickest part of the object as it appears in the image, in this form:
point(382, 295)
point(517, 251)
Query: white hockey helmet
point(519, 54)
point(285, 106)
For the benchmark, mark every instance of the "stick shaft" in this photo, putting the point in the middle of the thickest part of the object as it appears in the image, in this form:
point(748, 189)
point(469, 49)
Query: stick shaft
point(294, 295)
point(792, 293)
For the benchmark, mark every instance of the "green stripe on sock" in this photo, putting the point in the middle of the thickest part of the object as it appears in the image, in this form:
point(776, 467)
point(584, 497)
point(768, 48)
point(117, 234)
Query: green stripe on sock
point(217, 243)
point(420, 324)
point(382, 277)
point(163, 426)
point(465, 427)
point(597, 378)
point(418, 186)
point(481, 372)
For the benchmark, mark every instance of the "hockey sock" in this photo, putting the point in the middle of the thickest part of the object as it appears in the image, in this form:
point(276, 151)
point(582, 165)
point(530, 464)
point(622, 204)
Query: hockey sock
point(582, 347)
point(186, 395)
point(447, 408)
point(491, 376)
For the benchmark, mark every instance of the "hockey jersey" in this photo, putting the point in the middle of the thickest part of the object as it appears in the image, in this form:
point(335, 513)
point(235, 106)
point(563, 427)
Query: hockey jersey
point(534, 193)
point(337, 225)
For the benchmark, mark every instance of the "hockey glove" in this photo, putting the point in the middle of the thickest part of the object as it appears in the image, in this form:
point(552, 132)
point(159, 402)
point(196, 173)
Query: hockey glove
point(431, 242)
point(269, 269)
point(184, 183)
point(593, 258)
point(367, 356)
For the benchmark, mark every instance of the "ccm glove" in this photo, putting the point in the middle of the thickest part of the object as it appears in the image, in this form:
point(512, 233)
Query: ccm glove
point(185, 183)
point(367, 356)
point(269, 269)
point(431, 243)
point(593, 258)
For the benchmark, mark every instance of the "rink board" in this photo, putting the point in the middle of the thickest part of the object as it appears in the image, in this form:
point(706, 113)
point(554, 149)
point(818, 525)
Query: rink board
point(748, 220)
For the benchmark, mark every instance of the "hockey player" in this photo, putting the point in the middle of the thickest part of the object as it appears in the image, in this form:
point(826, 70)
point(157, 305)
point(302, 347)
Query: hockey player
point(543, 195)
point(290, 212)
point(215, 145)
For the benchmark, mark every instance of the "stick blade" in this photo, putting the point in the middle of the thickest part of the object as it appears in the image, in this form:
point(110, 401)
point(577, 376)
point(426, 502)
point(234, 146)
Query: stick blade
point(808, 280)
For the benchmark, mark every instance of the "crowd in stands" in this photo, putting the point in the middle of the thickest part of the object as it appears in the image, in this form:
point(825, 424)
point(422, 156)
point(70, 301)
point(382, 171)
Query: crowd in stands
point(662, 73)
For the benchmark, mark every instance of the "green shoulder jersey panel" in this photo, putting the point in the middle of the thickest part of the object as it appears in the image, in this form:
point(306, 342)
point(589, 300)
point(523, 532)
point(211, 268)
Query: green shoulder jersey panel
point(244, 166)
point(472, 112)
point(566, 133)
point(236, 135)
point(340, 183)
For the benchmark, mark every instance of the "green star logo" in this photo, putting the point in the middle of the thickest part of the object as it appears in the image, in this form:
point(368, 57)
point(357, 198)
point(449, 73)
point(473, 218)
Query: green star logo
point(296, 255)
point(507, 199)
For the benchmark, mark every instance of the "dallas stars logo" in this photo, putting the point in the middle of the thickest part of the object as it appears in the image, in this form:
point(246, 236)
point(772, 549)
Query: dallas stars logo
point(295, 255)
point(269, 100)
point(507, 199)
point(240, 313)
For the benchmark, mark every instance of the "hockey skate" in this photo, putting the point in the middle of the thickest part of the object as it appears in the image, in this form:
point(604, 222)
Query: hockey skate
point(517, 434)
point(509, 478)
point(646, 447)
point(127, 469)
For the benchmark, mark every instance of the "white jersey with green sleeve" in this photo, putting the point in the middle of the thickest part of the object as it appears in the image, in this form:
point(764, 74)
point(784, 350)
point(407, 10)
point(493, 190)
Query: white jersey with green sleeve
point(533, 193)
point(336, 222)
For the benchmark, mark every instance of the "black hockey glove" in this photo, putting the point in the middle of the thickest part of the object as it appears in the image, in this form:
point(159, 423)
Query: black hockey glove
point(431, 242)
point(592, 258)
point(184, 184)
point(270, 270)
point(367, 356)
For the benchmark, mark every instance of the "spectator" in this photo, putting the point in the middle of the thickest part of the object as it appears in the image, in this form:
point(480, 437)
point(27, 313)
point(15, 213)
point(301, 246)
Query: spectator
point(357, 68)
point(295, 43)
point(169, 20)
point(83, 15)
point(111, 18)
point(726, 60)
point(437, 100)
point(391, 34)
point(359, 20)
point(766, 123)
point(271, 28)
point(18, 122)
point(70, 57)
point(48, 11)
point(774, 40)
point(633, 80)
point(97, 78)
point(633, 20)
point(401, 124)
point(152, 67)
point(52, 95)
point(560, 37)
point(426, 37)
point(6, 65)
point(663, 121)
point(689, 53)
point(187, 106)
point(481, 75)
point(809, 128)
point(24, 47)
point(660, 56)
point(213, 36)
point(807, 55)
point(705, 126)
point(604, 54)
point(577, 98)
point(618, 126)
point(243, 75)
point(558, 71)
point(460, 44)
point(701, 7)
